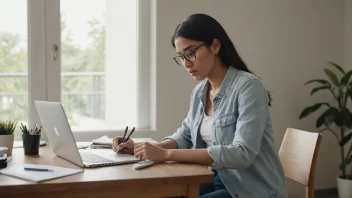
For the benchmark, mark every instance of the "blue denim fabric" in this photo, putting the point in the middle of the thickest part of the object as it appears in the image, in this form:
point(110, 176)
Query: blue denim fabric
point(214, 190)
point(243, 149)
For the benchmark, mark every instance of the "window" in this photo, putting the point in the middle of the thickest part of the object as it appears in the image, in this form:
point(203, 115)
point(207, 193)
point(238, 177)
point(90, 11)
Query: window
point(92, 64)
point(13, 61)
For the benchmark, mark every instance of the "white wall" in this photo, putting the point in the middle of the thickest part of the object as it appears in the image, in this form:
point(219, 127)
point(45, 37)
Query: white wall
point(348, 34)
point(284, 42)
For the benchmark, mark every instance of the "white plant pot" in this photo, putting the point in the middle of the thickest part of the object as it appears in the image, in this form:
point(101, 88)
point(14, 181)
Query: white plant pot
point(7, 141)
point(344, 187)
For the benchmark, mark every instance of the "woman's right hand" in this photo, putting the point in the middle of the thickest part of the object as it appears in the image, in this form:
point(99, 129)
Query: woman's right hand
point(124, 148)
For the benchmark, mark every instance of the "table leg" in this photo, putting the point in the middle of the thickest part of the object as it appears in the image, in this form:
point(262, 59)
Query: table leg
point(193, 191)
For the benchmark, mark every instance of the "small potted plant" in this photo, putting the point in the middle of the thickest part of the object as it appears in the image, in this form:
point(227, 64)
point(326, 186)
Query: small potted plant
point(7, 129)
point(336, 115)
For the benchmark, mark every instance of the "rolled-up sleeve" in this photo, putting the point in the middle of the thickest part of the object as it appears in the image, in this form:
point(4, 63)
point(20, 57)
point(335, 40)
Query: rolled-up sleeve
point(251, 121)
point(183, 135)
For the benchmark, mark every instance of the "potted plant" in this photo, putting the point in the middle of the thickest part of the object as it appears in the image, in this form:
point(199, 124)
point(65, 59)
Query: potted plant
point(337, 119)
point(7, 129)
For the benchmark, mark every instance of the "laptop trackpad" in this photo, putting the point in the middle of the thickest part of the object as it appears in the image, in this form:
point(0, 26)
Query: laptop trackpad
point(110, 154)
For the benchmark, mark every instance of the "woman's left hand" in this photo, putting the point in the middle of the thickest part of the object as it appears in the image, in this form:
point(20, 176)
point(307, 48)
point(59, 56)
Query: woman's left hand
point(149, 151)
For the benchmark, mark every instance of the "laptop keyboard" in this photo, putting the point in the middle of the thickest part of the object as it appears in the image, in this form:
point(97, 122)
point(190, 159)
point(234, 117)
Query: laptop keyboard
point(93, 159)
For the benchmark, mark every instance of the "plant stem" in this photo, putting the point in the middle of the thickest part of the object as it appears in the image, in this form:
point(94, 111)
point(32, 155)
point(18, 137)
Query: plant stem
point(340, 100)
point(335, 134)
point(342, 153)
point(342, 150)
point(348, 156)
point(345, 99)
point(349, 151)
point(333, 93)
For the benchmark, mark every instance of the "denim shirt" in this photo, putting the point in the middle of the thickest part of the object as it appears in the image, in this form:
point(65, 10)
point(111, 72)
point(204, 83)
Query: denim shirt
point(243, 149)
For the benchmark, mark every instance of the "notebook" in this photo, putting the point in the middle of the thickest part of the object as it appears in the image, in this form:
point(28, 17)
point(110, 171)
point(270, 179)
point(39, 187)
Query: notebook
point(103, 141)
point(17, 171)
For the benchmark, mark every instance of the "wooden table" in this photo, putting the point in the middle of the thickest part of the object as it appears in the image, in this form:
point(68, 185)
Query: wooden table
point(161, 180)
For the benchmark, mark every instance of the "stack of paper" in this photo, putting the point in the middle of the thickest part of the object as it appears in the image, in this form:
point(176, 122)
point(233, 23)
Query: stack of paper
point(104, 141)
point(19, 172)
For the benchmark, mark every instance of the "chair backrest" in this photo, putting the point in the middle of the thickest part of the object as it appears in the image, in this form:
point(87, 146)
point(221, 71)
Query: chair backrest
point(298, 154)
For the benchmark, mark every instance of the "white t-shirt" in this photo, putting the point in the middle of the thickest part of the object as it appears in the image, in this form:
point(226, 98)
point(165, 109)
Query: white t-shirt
point(206, 130)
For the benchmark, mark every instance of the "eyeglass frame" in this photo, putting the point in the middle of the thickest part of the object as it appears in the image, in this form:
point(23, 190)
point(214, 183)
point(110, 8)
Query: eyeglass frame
point(183, 57)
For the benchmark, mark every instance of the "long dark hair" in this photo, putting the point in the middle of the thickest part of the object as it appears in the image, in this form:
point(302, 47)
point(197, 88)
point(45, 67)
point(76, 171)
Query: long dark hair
point(204, 28)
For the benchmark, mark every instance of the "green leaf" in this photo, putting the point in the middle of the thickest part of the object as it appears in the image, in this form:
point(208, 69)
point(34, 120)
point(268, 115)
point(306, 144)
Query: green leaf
point(327, 118)
point(346, 78)
point(337, 67)
point(332, 76)
point(345, 139)
point(319, 88)
point(311, 109)
point(344, 118)
point(345, 163)
point(349, 92)
point(7, 127)
point(320, 121)
point(322, 81)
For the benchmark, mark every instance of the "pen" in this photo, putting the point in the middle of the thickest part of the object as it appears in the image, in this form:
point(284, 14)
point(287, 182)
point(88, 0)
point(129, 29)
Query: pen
point(128, 137)
point(124, 135)
point(38, 169)
point(124, 138)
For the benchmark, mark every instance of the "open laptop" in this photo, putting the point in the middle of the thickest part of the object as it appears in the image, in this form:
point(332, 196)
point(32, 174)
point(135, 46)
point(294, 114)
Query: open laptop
point(58, 131)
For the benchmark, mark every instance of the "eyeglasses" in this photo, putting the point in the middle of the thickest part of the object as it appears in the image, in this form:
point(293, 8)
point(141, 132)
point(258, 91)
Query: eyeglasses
point(189, 55)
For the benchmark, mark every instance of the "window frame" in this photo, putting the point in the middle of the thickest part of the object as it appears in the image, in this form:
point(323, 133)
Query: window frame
point(44, 73)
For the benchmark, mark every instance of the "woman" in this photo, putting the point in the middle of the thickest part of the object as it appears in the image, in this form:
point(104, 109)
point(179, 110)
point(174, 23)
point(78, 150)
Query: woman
point(228, 127)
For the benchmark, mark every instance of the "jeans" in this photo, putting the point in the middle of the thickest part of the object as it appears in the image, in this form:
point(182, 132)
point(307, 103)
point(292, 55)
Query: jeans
point(215, 189)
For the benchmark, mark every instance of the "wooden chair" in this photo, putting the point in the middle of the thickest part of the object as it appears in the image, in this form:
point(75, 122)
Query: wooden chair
point(298, 155)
